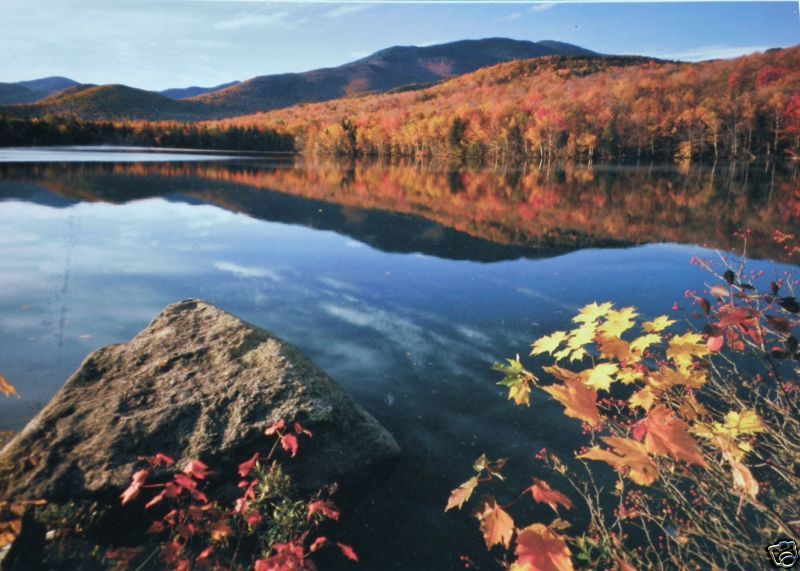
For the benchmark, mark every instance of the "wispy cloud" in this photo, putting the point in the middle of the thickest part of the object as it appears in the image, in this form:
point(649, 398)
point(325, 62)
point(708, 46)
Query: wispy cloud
point(713, 52)
point(271, 20)
point(248, 271)
point(346, 10)
point(542, 7)
point(535, 9)
point(511, 17)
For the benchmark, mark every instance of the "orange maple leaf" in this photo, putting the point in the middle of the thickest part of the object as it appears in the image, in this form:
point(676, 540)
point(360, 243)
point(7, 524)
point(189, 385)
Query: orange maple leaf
point(7, 388)
point(627, 453)
point(613, 348)
point(461, 494)
point(544, 494)
point(561, 374)
point(496, 525)
point(9, 530)
point(667, 435)
point(541, 549)
point(579, 400)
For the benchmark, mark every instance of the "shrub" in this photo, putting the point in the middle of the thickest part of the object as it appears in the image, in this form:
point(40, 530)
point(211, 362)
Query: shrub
point(266, 529)
point(692, 439)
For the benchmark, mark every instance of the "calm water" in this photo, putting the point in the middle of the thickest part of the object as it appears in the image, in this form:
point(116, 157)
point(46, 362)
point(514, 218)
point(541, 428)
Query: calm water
point(403, 282)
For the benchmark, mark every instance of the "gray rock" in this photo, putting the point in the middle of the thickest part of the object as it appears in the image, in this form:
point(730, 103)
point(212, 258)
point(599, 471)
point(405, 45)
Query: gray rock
point(196, 383)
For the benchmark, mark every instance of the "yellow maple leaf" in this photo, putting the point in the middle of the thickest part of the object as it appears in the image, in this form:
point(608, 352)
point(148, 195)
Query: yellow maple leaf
point(659, 324)
point(578, 355)
point(684, 348)
point(579, 401)
point(520, 393)
point(461, 494)
point(592, 312)
point(548, 343)
point(618, 322)
point(601, 376)
point(724, 436)
point(626, 453)
point(738, 423)
point(726, 445)
point(627, 375)
point(582, 335)
point(624, 313)
point(644, 399)
point(563, 354)
point(641, 343)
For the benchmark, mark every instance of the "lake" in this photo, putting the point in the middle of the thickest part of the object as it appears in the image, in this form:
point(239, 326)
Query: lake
point(405, 282)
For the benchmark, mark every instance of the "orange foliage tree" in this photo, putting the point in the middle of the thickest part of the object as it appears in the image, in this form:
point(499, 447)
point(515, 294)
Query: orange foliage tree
point(575, 107)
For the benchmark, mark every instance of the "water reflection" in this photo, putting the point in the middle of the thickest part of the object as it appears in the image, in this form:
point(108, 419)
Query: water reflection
point(485, 215)
point(404, 312)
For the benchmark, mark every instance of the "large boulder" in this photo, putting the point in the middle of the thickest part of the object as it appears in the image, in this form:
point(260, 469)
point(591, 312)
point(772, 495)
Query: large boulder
point(197, 383)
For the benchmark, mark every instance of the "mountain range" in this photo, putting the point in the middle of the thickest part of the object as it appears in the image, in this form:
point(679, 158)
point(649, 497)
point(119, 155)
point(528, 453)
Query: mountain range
point(33, 90)
point(398, 67)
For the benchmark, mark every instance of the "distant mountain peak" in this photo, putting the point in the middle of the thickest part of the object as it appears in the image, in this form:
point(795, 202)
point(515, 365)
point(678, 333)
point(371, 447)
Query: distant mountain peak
point(392, 68)
point(34, 89)
point(194, 91)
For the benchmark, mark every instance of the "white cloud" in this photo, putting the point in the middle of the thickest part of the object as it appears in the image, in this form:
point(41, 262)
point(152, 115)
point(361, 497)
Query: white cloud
point(271, 20)
point(248, 271)
point(337, 284)
point(511, 17)
point(542, 7)
point(713, 52)
point(347, 9)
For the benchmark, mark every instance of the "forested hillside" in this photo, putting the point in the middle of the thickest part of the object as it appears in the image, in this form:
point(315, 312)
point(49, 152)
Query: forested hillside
point(573, 107)
point(55, 130)
point(385, 70)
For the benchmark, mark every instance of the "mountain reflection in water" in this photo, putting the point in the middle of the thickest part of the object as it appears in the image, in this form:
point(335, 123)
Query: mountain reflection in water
point(486, 214)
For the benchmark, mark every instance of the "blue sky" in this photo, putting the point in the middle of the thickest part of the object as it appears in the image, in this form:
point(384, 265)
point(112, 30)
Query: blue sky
point(175, 43)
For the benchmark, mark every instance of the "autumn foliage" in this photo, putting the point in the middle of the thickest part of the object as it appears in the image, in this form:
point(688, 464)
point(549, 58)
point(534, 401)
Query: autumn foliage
point(11, 513)
point(692, 435)
point(579, 107)
point(536, 207)
point(265, 529)
point(6, 388)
